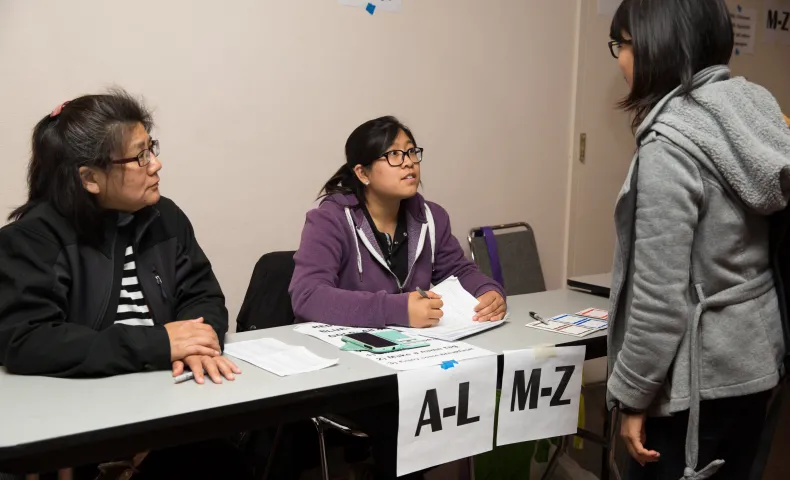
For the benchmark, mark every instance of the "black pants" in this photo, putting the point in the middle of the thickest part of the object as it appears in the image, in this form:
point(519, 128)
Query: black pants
point(729, 430)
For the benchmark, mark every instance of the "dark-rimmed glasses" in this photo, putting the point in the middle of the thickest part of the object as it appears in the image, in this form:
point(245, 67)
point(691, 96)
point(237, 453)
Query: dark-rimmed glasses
point(143, 158)
point(396, 157)
point(616, 45)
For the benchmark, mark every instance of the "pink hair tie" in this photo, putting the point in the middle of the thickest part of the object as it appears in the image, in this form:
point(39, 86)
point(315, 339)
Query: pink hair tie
point(58, 109)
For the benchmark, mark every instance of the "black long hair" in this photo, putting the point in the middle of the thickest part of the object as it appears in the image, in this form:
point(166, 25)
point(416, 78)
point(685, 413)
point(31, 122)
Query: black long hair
point(366, 143)
point(85, 132)
point(672, 40)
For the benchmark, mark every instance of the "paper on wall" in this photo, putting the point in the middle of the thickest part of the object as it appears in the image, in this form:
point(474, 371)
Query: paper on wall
point(777, 22)
point(744, 25)
point(394, 6)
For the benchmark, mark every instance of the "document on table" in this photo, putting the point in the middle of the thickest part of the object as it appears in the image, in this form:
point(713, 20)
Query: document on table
point(579, 325)
point(278, 357)
point(437, 352)
point(459, 309)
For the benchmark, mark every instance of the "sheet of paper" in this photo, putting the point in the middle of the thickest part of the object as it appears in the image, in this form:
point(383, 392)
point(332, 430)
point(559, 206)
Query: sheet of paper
point(459, 305)
point(278, 357)
point(459, 309)
point(777, 22)
point(435, 353)
point(594, 313)
point(744, 25)
point(540, 394)
point(381, 5)
point(596, 324)
point(608, 7)
point(446, 413)
point(574, 325)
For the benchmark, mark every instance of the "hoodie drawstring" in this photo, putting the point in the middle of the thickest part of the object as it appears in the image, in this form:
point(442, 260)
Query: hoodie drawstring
point(431, 234)
point(356, 241)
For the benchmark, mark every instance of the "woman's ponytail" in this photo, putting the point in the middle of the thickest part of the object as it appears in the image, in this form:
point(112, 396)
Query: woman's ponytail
point(343, 182)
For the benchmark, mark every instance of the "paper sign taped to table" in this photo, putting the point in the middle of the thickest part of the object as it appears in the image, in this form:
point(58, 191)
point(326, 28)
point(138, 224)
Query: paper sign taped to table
point(435, 353)
point(446, 413)
point(540, 394)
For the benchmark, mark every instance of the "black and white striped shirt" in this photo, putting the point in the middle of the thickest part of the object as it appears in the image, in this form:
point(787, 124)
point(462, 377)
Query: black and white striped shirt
point(132, 308)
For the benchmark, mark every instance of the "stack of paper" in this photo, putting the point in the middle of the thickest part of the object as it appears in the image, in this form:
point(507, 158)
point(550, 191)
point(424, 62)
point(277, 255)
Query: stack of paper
point(278, 357)
point(587, 321)
point(459, 309)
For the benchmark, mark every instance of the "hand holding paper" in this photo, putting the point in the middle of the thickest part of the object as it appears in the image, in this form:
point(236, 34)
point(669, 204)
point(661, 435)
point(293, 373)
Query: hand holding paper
point(492, 307)
point(457, 313)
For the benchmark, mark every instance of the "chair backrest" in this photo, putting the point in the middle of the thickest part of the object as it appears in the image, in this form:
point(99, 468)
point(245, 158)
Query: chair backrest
point(267, 303)
point(518, 256)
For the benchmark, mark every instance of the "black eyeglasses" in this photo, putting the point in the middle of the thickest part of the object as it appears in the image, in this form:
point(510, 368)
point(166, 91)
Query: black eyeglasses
point(396, 157)
point(143, 158)
point(616, 45)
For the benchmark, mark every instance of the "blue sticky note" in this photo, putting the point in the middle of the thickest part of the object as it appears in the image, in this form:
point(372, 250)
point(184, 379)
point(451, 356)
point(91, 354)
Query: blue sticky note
point(448, 364)
point(371, 9)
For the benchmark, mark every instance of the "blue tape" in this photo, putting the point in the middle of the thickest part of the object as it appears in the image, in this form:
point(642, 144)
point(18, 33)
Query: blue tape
point(371, 9)
point(448, 364)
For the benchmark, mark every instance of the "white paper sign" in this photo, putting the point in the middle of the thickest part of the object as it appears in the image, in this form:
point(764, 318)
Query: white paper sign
point(540, 394)
point(777, 21)
point(744, 25)
point(608, 7)
point(446, 414)
point(381, 5)
point(435, 353)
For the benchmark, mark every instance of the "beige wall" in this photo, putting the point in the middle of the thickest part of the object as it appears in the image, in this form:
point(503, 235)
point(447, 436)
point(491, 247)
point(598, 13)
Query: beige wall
point(254, 101)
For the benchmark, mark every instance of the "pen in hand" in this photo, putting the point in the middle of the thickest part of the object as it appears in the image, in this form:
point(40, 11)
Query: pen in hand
point(422, 293)
point(538, 318)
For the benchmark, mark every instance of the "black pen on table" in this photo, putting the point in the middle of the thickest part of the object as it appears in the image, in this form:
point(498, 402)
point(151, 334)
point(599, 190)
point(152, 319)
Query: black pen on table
point(538, 318)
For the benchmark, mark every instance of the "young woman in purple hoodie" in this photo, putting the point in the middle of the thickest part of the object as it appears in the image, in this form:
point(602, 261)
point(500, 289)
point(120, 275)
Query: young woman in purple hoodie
point(370, 244)
point(373, 240)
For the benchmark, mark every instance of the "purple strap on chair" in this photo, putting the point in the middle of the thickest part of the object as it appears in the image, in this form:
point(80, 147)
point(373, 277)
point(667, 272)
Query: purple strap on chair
point(493, 255)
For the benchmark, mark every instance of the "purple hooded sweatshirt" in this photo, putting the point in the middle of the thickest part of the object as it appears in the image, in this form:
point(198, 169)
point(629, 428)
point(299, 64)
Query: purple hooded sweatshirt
point(341, 277)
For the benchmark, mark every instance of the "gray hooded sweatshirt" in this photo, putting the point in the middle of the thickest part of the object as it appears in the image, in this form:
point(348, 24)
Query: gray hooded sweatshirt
point(694, 310)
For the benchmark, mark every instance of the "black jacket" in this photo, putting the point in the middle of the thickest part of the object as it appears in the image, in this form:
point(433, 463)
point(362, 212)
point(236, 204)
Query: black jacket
point(59, 296)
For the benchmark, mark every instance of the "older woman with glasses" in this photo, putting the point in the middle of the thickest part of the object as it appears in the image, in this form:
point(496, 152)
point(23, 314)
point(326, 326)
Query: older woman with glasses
point(101, 275)
point(372, 244)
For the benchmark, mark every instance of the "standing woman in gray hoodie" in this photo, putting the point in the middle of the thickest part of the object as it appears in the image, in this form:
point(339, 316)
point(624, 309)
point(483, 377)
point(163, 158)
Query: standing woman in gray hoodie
point(696, 338)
